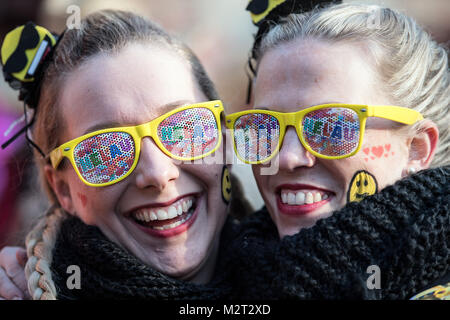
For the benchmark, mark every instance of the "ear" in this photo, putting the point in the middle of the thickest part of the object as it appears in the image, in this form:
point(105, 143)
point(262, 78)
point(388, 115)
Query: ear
point(423, 145)
point(60, 187)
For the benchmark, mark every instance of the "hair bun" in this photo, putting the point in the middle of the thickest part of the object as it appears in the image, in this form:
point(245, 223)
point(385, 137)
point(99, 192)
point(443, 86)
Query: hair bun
point(274, 10)
point(23, 53)
point(259, 9)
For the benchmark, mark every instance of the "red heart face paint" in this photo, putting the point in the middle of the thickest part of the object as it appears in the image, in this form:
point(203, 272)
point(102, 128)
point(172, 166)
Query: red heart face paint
point(376, 152)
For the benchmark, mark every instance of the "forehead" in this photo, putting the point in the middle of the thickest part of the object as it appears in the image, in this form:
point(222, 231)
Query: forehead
point(130, 87)
point(309, 72)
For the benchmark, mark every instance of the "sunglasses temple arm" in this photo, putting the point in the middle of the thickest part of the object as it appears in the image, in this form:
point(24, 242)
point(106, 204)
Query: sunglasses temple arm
point(399, 115)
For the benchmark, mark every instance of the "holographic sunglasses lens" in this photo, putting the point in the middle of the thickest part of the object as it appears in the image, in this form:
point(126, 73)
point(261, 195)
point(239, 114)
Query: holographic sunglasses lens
point(332, 132)
point(256, 136)
point(105, 157)
point(189, 133)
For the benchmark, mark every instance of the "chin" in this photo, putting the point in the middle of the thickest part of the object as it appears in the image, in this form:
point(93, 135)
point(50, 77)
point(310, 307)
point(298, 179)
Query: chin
point(288, 226)
point(178, 263)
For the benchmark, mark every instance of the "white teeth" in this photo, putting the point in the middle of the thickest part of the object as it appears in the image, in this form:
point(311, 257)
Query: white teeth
point(161, 214)
point(187, 205)
point(291, 198)
point(309, 198)
point(172, 212)
point(173, 225)
point(317, 197)
point(299, 198)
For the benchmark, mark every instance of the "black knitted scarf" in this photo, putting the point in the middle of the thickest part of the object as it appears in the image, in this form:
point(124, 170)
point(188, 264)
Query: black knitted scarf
point(109, 272)
point(404, 230)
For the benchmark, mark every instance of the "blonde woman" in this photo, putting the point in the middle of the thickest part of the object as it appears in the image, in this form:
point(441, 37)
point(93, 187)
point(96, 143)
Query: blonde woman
point(347, 111)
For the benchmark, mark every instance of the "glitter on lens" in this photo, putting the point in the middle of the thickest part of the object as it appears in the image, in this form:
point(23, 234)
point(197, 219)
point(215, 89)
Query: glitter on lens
point(105, 157)
point(256, 136)
point(189, 133)
point(332, 131)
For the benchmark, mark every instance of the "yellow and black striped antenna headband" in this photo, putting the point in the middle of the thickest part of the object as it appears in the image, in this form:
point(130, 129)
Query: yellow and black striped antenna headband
point(24, 54)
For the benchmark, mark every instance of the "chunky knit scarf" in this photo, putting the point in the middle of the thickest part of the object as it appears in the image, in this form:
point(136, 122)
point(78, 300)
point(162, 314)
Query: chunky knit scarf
point(109, 272)
point(59, 240)
point(404, 230)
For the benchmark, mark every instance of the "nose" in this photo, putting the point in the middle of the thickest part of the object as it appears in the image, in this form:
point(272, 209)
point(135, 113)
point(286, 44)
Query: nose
point(154, 169)
point(292, 154)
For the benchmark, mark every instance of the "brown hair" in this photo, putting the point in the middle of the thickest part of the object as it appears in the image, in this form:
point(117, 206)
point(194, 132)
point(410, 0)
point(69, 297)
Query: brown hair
point(106, 31)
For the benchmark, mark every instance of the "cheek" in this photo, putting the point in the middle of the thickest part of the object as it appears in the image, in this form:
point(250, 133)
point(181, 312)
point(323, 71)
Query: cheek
point(90, 204)
point(85, 203)
point(385, 156)
point(83, 199)
point(79, 192)
point(207, 175)
point(377, 152)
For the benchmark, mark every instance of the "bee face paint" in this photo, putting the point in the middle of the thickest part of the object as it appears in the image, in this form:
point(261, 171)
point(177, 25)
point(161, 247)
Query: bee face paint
point(363, 184)
point(226, 185)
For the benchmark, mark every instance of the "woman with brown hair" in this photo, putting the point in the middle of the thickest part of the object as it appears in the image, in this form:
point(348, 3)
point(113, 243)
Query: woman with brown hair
point(122, 110)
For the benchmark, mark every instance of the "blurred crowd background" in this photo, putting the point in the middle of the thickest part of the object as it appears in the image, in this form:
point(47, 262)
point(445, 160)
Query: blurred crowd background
point(219, 31)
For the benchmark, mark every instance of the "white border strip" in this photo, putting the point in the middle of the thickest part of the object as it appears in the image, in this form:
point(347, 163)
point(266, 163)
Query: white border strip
point(37, 57)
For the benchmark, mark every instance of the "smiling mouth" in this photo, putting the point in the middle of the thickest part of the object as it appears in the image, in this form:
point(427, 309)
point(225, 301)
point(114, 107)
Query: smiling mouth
point(167, 217)
point(297, 198)
point(301, 199)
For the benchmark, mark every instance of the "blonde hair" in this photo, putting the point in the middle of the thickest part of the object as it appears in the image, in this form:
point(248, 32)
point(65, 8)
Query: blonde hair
point(106, 31)
point(413, 68)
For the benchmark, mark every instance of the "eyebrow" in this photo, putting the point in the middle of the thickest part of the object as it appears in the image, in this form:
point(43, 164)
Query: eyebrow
point(116, 124)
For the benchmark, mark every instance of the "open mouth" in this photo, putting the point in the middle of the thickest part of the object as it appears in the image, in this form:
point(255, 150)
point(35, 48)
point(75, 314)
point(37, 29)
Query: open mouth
point(169, 219)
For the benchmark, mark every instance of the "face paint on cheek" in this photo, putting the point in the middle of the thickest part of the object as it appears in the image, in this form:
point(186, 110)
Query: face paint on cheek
point(226, 185)
point(363, 184)
point(83, 199)
point(377, 152)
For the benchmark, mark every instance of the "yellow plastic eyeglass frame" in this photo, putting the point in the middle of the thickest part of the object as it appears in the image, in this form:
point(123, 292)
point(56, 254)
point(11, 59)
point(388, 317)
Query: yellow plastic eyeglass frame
point(149, 129)
point(399, 114)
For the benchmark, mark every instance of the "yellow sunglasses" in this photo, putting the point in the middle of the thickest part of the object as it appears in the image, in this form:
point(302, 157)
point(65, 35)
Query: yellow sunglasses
point(328, 131)
point(108, 156)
